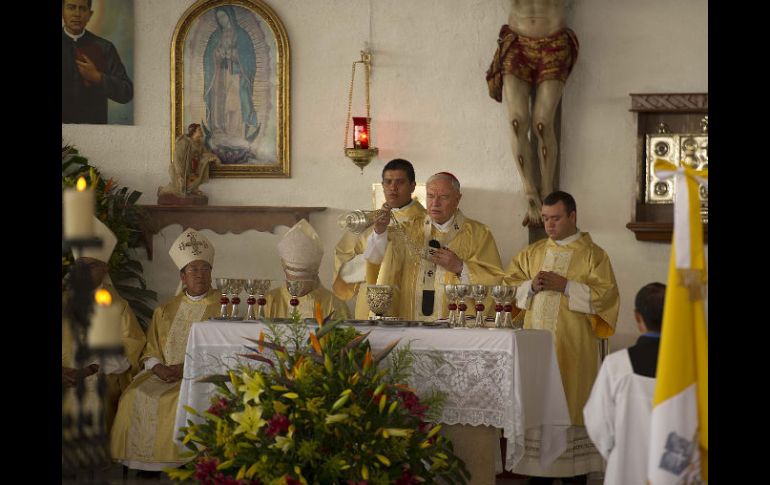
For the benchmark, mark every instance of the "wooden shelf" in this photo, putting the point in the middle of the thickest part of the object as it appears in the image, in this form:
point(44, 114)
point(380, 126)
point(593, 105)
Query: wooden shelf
point(659, 231)
point(220, 219)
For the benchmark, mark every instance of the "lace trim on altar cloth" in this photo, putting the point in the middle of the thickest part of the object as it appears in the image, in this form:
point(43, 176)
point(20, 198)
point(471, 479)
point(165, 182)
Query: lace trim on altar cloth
point(580, 457)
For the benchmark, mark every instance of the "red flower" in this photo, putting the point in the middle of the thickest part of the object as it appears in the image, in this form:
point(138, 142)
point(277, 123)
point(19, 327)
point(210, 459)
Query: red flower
point(277, 424)
point(406, 478)
point(219, 407)
point(204, 469)
point(412, 403)
point(353, 482)
point(292, 481)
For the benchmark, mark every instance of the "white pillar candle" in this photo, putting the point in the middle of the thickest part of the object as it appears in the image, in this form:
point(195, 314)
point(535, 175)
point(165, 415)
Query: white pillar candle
point(104, 331)
point(78, 211)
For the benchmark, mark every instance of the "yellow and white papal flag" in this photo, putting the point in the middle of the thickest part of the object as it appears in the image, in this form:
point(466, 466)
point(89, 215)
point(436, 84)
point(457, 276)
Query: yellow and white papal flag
point(679, 427)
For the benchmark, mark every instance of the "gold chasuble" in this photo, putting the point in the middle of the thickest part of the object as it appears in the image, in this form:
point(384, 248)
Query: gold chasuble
point(278, 304)
point(133, 339)
point(144, 426)
point(575, 332)
point(411, 275)
point(352, 245)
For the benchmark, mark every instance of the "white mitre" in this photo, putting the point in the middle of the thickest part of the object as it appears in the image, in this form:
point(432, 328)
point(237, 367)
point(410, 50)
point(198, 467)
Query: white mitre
point(191, 246)
point(301, 251)
point(108, 244)
point(188, 247)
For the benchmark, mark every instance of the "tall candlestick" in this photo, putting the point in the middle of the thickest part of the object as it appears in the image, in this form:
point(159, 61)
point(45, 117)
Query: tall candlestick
point(78, 211)
point(104, 331)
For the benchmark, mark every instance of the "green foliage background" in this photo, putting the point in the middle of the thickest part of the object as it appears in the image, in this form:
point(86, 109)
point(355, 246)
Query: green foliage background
point(116, 208)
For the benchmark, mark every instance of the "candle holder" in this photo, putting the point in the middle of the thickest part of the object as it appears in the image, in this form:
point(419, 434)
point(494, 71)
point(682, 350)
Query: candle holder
point(85, 441)
point(360, 153)
point(479, 292)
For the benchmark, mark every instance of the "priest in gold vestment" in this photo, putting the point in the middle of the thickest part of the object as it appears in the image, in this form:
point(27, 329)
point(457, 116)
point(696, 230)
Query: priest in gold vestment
point(301, 251)
point(565, 284)
point(143, 434)
point(117, 370)
point(351, 273)
point(467, 254)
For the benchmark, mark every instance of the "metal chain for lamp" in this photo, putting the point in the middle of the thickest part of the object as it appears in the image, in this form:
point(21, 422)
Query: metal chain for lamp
point(360, 156)
point(366, 61)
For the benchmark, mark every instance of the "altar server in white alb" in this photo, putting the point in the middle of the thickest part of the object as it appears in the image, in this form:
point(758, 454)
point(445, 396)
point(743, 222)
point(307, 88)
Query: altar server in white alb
point(143, 434)
point(617, 414)
point(301, 252)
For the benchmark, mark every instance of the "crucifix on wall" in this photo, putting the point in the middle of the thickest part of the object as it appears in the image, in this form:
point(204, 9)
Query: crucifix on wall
point(534, 57)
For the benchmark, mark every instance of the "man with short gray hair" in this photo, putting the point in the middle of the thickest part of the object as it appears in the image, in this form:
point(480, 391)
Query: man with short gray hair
point(462, 251)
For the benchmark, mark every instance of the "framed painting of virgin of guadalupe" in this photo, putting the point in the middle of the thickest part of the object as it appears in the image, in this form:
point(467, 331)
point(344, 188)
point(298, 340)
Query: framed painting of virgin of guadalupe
point(230, 75)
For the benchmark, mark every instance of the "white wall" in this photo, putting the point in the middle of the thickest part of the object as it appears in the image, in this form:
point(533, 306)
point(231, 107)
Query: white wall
point(429, 105)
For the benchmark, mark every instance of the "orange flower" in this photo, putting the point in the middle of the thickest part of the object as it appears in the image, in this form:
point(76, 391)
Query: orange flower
point(315, 343)
point(368, 360)
point(261, 346)
point(108, 185)
point(318, 315)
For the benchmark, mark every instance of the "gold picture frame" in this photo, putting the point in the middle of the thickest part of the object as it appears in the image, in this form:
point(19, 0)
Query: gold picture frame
point(230, 73)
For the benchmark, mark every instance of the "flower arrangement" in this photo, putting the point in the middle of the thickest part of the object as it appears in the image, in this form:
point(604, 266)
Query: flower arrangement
point(318, 410)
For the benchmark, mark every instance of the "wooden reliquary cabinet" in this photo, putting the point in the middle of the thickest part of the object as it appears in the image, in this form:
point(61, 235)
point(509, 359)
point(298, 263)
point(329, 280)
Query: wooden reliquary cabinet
point(672, 127)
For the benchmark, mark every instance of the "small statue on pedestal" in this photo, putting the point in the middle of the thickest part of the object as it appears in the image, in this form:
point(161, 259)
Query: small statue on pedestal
point(188, 169)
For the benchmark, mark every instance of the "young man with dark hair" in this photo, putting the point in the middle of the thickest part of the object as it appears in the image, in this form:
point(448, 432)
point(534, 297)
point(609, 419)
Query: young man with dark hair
point(351, 273)
point(566, 285)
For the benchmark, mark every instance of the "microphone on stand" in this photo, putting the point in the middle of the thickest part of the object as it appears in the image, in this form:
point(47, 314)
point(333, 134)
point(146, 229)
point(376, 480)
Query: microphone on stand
point(428, 296)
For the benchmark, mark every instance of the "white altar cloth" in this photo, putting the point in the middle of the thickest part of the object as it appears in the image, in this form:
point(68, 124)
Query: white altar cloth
point(504, 378)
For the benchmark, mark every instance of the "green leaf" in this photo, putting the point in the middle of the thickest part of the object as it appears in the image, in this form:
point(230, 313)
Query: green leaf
point(386, 351)
point(212, 379)
point(327, 328)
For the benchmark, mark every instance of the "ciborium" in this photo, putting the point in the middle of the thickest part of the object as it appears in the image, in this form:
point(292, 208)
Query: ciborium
point(236, 287)
point(259, 288)
point(502, 295)
point(297, 288)
point(223, 285)
point(479, 292)
point(462, 292)
point(379, 298)
point(451, 296)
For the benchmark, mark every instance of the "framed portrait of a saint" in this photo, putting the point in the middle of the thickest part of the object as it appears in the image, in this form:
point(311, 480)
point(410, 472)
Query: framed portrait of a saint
point(230, 75)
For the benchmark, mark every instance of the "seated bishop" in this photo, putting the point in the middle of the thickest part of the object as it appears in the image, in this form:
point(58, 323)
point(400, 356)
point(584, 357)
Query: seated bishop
point(143, 435)
point(117, 369)
point(301, 251)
